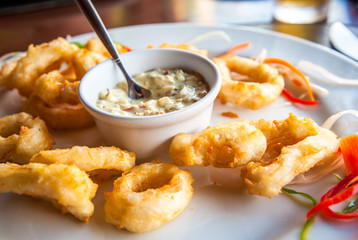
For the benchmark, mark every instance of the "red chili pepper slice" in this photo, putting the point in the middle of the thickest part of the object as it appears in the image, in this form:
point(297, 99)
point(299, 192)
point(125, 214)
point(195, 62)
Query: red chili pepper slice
point(345, 188)
point(294, 70)
point(335, 196)
point(293, 99)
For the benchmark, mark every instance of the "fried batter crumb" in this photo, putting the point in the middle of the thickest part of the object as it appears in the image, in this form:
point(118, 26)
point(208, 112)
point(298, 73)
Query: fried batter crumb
point(229, 114)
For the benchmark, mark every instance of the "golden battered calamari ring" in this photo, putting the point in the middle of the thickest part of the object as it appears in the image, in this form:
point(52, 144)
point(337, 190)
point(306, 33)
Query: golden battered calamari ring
point(294, 145)
point(96, 45)
point(184, 46)
point(67, 187)
point(60, 117)
point(38, 60)
point(53, 88)
point(89, 159)
point(264, 87)
point(22, 136)
point(6, 69)
point(226, 145)
point(147, 196)
point(84, 60)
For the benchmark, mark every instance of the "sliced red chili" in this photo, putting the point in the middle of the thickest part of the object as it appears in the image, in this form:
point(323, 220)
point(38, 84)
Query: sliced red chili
point(340, 192)
point(293, 99)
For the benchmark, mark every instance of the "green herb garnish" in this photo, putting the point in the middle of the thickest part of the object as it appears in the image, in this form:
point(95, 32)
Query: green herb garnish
point(80, 45)
point(308, 224)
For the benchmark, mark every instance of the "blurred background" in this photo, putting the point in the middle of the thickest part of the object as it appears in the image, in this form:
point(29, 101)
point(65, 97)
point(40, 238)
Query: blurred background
point(23, 22)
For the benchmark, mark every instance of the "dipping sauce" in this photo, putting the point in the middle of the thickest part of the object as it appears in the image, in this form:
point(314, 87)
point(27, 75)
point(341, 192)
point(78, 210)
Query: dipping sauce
point(172, 89)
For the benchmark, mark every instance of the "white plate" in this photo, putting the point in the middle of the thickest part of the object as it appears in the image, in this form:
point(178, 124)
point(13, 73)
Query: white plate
point(214, 212)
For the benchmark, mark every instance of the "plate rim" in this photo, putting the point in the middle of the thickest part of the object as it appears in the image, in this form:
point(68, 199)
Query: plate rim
point(230, 27)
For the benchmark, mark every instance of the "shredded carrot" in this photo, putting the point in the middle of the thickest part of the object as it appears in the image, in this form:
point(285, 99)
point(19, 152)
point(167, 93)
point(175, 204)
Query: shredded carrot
point(293, 69)
point(235, 48)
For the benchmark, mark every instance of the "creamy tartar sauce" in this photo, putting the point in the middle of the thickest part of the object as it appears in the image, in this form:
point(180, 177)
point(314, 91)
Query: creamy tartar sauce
point(172, 89)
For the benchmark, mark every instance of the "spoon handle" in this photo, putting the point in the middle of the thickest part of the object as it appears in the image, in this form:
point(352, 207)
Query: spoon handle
point(94, 19)
point(134, 90)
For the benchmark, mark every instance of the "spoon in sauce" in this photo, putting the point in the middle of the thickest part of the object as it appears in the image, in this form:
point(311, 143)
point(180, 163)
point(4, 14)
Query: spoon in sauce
point(134, 90)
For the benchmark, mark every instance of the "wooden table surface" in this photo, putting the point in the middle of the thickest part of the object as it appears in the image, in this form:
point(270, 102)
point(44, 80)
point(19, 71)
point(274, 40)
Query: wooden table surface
point(37, 23)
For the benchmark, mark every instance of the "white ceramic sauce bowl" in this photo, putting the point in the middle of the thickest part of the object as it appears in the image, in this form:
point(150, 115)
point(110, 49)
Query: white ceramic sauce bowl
point(149, 136)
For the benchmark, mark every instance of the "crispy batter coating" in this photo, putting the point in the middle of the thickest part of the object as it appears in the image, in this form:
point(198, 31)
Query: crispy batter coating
point(6, 69)
point(53, 88)
point(60, 117)
point(147, 196)
point(294, 145)
point(264, 86)
point(226, 145)
point(96, 45)
point(67, 187)
point(38, 60)
point(84, 60)
point(22, 136)
point(184, 46)
point(89, 159)
point(49, 75)
point(271, 152)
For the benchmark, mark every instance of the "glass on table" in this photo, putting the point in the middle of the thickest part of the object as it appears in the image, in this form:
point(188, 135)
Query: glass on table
point(301, 11)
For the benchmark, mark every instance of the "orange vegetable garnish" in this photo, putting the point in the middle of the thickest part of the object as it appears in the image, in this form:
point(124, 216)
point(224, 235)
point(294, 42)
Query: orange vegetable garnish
point(235, 48)
point(294, 70)
point(349, 150)
point(346, 188)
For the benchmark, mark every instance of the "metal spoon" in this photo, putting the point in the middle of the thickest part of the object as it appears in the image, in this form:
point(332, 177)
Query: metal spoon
point(134, 90)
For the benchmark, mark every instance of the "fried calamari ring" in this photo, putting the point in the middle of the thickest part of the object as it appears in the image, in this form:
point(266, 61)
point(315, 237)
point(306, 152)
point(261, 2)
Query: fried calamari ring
point(264, 86)
point(184, 46)
point(22, 136)
point(53, 88)
point(147, 196)
point(225, 145)
point(49, 75)
point(294, 145)
point(67, 187)
point(89, 159)
point(6, 69)
point(59, 117)
point(38, 60)
point(84, 60)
